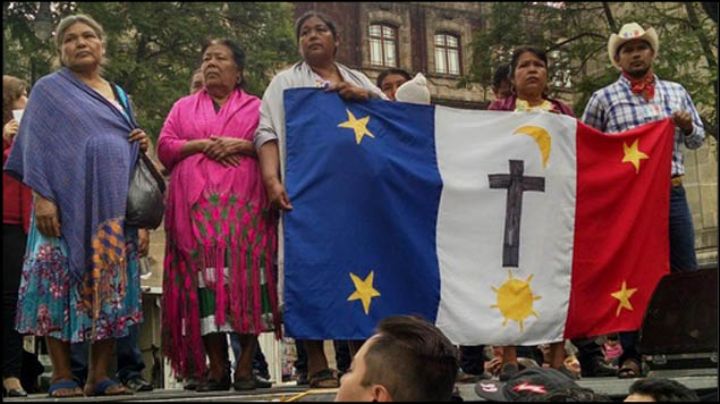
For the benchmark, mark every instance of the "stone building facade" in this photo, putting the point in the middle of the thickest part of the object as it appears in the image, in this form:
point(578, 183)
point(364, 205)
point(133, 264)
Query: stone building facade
point(414, 26)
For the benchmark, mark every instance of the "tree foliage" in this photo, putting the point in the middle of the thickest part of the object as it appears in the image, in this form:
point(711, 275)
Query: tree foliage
point(153, 48)
point(576, 34)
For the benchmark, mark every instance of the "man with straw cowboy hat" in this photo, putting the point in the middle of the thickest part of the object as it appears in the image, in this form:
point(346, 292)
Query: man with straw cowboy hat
point(636, 98)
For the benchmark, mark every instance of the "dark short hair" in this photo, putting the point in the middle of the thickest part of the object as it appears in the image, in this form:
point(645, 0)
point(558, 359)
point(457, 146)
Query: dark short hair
point(13, 89)
point(502, 73)
point(413, 359)
point(393, 70)
point(237, 52)
point(662, 389)
point(523, 49)
point(312, 13)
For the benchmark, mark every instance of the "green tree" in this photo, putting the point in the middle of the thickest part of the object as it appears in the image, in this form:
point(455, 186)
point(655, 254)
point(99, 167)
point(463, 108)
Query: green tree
point(153, 48)
point(576, 34)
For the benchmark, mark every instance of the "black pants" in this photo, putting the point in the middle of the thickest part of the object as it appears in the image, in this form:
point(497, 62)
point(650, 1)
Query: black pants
point(472, 359)
point(14, 240)
point(342, 356)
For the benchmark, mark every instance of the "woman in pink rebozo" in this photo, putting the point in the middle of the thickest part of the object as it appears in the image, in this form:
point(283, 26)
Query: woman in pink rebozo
point(221, 236)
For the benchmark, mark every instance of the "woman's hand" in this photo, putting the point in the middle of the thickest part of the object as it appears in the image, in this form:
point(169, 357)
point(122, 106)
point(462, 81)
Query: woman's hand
point(10, 130)
point(277, 195)
point(46, 216)
point(143, 242)
point(139, 135)
point(349, 91)
point(227, 150)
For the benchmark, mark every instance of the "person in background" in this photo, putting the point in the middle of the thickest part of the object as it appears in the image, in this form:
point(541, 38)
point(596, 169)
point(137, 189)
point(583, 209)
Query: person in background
point(81, 276)
point(414, 91)
point(501, 85)
point(528, 76)
point(408, 359)
point(318, 43)
point(391, 79)
point(660, 390)
point(636, 98)
point(17, 200)
point(221, 234)
point(537, 384)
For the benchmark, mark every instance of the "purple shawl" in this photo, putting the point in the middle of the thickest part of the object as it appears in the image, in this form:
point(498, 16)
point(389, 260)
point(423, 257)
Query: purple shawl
point(73, 149)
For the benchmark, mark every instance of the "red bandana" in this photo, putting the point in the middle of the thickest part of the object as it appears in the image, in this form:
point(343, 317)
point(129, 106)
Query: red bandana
point(644, 86)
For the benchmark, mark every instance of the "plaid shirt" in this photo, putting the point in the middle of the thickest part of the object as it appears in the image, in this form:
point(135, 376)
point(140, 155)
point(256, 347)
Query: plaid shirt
point(615, 109)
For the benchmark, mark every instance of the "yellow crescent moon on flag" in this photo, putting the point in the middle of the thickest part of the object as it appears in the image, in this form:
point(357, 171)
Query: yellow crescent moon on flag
point(542, 138)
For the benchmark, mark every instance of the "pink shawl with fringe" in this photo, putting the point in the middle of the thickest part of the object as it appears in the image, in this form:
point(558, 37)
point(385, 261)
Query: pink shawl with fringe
point(238, 226)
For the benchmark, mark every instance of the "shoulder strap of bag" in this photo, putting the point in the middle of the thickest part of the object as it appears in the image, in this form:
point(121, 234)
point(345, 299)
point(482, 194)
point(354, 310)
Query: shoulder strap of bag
point(121, 95)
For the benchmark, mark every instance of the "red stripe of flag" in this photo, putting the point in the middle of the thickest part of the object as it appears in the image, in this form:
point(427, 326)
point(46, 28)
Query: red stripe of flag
point(621, 227)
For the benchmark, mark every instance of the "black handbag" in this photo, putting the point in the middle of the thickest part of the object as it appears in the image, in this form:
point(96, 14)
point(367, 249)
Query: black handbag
point(146, 195)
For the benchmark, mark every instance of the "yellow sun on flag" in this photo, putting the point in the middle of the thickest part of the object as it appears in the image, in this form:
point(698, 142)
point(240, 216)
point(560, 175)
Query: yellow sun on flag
point(515, 300)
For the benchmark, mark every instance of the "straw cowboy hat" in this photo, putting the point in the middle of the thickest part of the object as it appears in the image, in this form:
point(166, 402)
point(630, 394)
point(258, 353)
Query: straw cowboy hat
point(627, 33)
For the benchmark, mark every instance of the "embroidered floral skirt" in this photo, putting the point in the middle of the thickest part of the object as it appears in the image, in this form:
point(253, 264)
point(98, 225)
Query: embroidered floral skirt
point(51, 303)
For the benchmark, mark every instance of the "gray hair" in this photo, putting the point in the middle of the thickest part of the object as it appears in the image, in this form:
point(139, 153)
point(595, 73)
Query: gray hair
point(71, 20)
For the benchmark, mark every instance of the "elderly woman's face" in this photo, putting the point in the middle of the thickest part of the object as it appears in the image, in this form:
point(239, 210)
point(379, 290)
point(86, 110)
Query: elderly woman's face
point(530, 75)
point(82, 48)
point(316, 40)
point(219, 68)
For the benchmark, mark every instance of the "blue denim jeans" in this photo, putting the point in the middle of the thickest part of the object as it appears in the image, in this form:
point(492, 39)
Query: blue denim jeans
point(682, 233)
point(682, 256)
point(129, 358)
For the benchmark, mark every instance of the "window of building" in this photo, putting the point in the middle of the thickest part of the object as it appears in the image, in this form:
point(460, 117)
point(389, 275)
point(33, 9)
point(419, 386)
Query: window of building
point(383, 45)
point(447, 54)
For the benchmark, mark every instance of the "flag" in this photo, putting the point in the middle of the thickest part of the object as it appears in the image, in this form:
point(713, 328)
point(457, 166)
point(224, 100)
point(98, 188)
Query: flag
point(499, 227)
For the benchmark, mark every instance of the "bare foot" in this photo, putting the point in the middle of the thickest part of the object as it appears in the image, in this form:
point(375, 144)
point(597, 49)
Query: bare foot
point(69, 388)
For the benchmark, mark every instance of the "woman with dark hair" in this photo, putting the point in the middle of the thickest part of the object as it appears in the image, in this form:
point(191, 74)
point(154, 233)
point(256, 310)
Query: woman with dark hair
point(221, 234)
point(17, 199)
point(391, 79)
point(528, 77)
point(318, 43)
point(76, 150)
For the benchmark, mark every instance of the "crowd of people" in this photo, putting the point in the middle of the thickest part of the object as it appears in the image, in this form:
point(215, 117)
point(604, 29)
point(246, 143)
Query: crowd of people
point(70, 262)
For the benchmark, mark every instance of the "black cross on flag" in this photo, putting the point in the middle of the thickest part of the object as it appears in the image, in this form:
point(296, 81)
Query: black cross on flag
point(516, 184)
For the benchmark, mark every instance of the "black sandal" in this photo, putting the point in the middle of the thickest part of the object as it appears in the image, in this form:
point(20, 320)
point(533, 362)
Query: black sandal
point(215, 385)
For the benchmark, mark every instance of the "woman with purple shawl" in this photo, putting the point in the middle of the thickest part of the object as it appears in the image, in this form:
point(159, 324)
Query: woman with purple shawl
point(76, 148)
point(220, 231)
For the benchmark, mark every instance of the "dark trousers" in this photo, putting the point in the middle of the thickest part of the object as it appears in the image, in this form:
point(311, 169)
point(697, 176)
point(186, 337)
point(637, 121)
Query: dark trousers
point(472, 359)
point(129, 358)
point(682, 257)
point(342, 356)
point(259, 364)
point(14, 240)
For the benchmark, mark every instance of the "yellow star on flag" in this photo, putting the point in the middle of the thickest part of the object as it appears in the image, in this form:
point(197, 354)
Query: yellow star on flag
point(633, 155)
point(623, 295)
point(358, 125)
point(364, 290)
